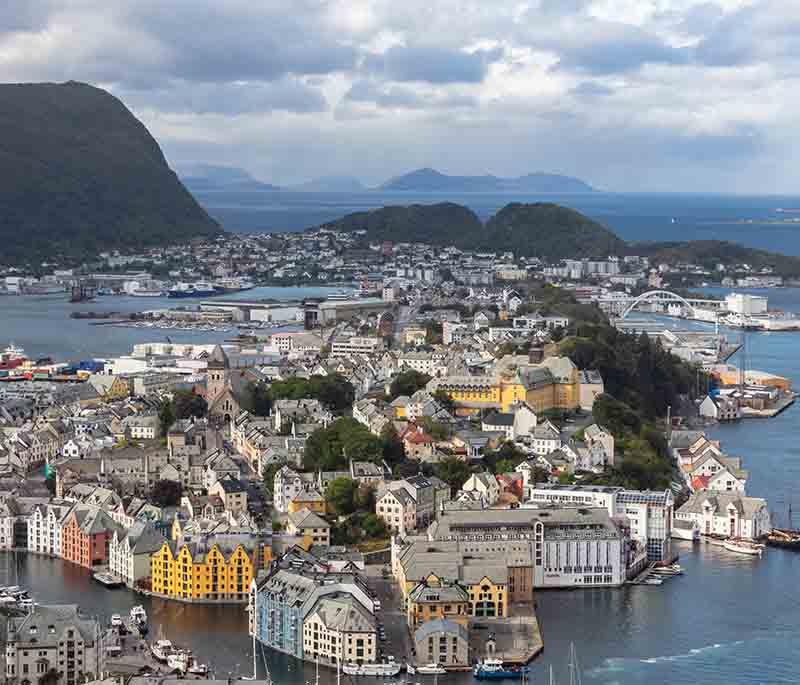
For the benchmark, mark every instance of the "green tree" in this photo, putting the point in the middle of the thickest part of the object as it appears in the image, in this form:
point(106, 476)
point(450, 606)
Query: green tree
point(557, 334)
point(394, 450)
point(166, 493)
point(407, 383)
point(187, 404)
point(166, 416)
point(374, 527)
point(268, 476)
point(341, 495)
point(257, 399)
point(453, 471)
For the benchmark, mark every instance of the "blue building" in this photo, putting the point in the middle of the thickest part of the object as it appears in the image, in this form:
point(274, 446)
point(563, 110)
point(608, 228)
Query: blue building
point(279, 601)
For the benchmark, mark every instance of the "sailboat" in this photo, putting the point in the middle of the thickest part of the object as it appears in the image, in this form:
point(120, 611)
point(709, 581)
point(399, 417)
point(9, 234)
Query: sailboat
point(574, 670)
point(255, 666)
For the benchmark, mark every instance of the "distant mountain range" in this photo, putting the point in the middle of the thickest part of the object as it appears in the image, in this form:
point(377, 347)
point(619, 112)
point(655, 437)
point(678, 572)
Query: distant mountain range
point(430, 180)
point(214, 178)
point(80, 174)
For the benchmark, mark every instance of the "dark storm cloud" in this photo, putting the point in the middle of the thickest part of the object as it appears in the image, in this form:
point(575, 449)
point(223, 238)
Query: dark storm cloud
point(432, 64)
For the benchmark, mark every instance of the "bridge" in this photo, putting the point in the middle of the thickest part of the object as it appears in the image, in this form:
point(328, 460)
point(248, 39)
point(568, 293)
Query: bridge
point(657, 300)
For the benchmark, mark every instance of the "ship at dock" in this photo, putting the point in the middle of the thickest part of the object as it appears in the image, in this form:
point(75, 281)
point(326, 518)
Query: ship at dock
point(199, 289)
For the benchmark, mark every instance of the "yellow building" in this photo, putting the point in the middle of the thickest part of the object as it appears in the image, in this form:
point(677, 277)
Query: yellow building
point(308, 499)
point(434, 599)
point(552, 384)
point(204, 571)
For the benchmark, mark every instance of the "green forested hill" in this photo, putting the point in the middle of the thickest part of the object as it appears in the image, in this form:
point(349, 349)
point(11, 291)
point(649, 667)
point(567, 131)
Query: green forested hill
point(81, 174)
point(541, 229)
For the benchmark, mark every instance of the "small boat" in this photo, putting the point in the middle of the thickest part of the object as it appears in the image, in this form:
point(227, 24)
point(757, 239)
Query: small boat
point(493, 669)
point(161, 649)
point(743, 547)
point(653, 581)
point(198, 669)
point(375, 670)
point(431, 669)
point(116, 620)
point(179, 660)
point(139, 618)
point(410, 669)
point(109, 580)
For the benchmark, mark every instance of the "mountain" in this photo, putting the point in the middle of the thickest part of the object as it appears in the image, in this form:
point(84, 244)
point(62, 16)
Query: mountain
point(530, 230)
point(330, 184)
point(208, 177)
point(430, 180)
point(81, 174)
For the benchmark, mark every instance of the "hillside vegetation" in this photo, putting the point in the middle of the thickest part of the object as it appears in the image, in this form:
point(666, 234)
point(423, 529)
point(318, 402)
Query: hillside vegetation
point(82, 174)
point(430, 180)
point(531, 230)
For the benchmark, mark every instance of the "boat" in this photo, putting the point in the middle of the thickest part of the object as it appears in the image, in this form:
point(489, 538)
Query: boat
point(743, 546)
point(199, 289)
point(653, 581)
point(179, 660)
point(197, 669)
point(410, 669)
point(161, 649)
point(108, 579)
point(12, 357)
point(784, 537)
point(493, 669)
point(139, 617)
point(146, 292)
point(116, 620)
point(375, 670)
point(431, 669)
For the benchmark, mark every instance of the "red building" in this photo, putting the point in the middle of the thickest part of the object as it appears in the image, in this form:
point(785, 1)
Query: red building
point(85, 536)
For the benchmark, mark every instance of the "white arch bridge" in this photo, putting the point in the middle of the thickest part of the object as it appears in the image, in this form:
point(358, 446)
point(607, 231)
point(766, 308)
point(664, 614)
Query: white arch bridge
point(664, 298)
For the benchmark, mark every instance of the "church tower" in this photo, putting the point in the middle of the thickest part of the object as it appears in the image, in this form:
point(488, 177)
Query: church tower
point(218, 371)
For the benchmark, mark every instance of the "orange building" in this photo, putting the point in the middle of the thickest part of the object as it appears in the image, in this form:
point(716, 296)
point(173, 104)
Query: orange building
point(85, 536)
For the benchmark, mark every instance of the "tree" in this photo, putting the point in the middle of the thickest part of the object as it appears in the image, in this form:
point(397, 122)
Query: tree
point(453, 471)
point(407, 383)
point(557, 334)
point(504, 459)
point(50, 483)
point(335, 392)
point(268, 477)
point(394, 451)
point(257, 399)
point(186, 405)
point(166, 493)
point(445, 400)
point(374, 527)
point(166, 416)
point(341, 495)
point(437, 430)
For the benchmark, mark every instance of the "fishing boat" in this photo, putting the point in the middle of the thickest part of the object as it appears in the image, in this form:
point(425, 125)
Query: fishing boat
point(743, 546)
point(116, 620)
point(493, 669)
point(161, 649)
point(139, 617)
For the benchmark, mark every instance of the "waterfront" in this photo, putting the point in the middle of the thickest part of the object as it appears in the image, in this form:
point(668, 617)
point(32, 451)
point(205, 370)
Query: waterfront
point(729, 619)
point(42, 326)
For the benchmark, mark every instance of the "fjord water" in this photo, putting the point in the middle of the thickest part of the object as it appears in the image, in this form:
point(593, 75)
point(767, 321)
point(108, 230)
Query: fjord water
point(752, 221)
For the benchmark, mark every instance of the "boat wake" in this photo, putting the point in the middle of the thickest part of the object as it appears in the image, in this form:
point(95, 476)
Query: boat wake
point(616, 665)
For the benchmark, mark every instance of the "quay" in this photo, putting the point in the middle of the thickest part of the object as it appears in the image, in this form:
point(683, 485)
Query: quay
point(780, 406)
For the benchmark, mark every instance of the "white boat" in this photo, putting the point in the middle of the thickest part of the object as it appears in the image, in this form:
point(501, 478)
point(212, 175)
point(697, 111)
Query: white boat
point(653, 581)
point(375, 670)
point(743, 547)
point(138, 614)
point(198, 669)
point(161, 649)
point(179, 660)
point(410, 669)
point(431, 669)
point(116, 620)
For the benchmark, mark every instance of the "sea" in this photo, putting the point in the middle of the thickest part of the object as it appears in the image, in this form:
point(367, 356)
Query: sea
point(729, 619)
point(756, 221)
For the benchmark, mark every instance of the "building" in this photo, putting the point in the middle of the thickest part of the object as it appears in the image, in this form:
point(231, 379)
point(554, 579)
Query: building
point(720, 408)
point(433, 599)
point(86, 535)
point(44, 528)
point(309, 525)
point(442, 642)
point(288, 484)
point(727, 513)
point(345, 347)
point(397, 509)
point(233, 494)
point(310, 500)
point(338, 629)
point(130, 549)
point(52, 643)
point(571, 547)
point(209, 569)
point(485, 484)
point(649, 514)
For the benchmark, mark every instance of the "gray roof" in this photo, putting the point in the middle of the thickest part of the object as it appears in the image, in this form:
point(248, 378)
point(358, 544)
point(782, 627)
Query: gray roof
point(440, 625)
point(344, 613)
point(47, 624)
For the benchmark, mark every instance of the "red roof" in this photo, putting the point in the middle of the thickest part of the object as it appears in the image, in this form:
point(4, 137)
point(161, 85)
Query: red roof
point(700, 482)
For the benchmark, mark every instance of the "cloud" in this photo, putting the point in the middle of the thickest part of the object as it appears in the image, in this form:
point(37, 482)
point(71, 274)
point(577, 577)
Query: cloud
point(633, 94)
point(432, 64)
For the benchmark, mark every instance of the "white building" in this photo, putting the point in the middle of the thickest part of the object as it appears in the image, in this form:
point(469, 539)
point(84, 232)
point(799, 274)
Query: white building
point(44, 528)
point(727, 513)
point(344, 347)
point(340, 629)
point(129, 551)
point(485, 484)
point(287, 484)
point(746, 305)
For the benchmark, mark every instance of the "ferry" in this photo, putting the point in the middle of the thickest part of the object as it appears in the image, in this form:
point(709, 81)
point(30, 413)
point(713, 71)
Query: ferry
point(493, 669)
point(743, 546)
point(146, 292)
point(199, 289)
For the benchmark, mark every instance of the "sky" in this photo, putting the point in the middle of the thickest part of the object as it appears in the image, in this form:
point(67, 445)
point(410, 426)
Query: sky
point(630, 95)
